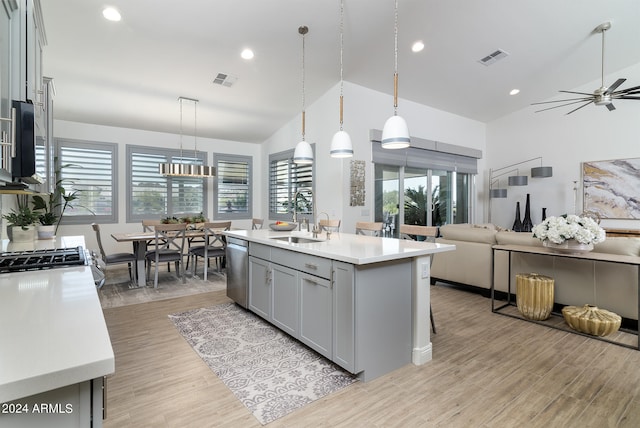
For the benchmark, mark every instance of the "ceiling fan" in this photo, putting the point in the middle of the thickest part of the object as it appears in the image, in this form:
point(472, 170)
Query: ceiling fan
point(603, 96)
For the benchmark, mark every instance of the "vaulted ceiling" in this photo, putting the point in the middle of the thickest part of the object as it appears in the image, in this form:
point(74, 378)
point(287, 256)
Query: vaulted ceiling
point(131, 73)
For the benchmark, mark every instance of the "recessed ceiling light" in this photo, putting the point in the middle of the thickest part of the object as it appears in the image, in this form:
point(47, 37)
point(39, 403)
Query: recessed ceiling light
point(417, 46)
point(111, 13)
point(514, 92)
point(247, 54)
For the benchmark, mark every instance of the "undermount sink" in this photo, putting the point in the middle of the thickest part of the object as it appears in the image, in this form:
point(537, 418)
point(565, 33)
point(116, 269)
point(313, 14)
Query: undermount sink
point(295, 239)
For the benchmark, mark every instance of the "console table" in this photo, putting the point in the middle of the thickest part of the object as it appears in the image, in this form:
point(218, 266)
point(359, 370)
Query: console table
point(596, 257)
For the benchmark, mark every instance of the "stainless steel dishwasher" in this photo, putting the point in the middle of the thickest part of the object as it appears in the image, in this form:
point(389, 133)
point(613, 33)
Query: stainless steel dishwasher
point(237, 270)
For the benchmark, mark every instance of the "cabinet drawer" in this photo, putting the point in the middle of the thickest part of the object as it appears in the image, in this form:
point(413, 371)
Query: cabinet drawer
point(313, 265)
point(260, 250)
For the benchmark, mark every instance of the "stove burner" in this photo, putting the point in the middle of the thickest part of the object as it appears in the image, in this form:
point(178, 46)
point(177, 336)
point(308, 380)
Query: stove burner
point(42, 259)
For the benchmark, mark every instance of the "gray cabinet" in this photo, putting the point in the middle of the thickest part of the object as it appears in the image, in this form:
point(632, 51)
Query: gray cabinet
point(309, 297)
point(285, 298)
point(273, 290)
point(260, 287)
point(76, 405)
point(343, 327)
point(316, 307)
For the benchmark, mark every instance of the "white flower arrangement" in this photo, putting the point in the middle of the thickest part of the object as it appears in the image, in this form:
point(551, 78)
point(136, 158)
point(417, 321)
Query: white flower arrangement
point(559, 229)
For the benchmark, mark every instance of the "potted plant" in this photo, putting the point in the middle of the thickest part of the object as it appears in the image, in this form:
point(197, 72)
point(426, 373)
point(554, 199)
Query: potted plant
point(22, 222)
point(51, 210)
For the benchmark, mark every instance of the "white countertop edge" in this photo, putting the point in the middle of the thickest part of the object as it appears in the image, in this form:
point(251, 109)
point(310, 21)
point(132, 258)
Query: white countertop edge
point(49, 381)
point(346, 247)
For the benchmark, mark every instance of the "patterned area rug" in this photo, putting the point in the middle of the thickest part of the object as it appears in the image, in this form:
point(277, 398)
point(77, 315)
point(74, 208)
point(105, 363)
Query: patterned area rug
point(268, 371)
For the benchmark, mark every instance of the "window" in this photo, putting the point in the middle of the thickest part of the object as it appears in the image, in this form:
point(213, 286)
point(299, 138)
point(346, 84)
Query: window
point(153, 196)
point(285, 179)
point(90, 168)
point(233, 177)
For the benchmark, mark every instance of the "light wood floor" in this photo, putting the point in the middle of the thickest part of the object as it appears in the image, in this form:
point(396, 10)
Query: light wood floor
point(488, 370)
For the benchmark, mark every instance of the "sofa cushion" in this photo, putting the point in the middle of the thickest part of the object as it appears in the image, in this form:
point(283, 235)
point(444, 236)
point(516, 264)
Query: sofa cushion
point(517, 238)
point(619, 245)
point(457, 232)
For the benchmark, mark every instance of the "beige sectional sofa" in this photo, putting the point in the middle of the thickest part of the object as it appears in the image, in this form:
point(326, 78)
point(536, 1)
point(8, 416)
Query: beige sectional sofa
point(609, 286)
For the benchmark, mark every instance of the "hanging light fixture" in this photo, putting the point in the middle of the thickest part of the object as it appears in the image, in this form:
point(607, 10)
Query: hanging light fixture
point(303, 153)
point(395, 134)
point(186, 169)
point(341, 146)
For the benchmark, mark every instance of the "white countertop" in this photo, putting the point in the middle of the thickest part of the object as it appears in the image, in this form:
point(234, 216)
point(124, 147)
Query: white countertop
point(346, 247)
point(52, 331)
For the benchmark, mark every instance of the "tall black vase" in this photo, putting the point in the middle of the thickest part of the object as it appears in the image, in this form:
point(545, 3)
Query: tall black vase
point(517, 225)
point(527, 224)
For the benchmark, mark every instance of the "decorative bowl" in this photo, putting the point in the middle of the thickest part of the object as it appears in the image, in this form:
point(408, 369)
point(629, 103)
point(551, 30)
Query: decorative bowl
point(283, 227)
point(591, 320)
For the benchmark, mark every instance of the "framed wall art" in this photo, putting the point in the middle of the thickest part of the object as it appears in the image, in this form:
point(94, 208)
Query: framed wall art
point(612, 188)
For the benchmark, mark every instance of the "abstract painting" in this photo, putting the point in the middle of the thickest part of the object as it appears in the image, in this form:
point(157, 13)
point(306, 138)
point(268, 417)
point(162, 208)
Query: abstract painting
point(612, 188)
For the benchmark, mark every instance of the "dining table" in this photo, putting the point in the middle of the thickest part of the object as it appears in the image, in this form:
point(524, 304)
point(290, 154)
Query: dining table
point(140, 241)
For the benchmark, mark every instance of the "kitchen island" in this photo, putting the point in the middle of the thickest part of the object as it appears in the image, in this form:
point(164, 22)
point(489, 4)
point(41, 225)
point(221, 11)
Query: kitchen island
point(54, 346)
point(361, 301)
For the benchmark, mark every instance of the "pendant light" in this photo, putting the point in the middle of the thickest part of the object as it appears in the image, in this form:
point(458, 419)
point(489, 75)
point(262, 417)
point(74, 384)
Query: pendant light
point(395, 134)
point(185, 169)
point(341, 146)
point(303, 153)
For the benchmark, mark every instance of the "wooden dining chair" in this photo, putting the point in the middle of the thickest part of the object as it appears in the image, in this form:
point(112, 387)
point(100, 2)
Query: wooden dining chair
point(169, 245)
point(214, 246)
point(256, 223)
point(148, 225)
point(329, 225)
point(369, 228)
point(421, 233)
point(115, 258)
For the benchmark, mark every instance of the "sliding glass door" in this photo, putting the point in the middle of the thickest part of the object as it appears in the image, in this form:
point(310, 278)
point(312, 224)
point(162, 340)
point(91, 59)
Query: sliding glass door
point(427, 197)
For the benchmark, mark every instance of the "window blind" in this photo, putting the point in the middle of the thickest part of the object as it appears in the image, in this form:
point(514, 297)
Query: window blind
point(89, 169)
point(233, 175)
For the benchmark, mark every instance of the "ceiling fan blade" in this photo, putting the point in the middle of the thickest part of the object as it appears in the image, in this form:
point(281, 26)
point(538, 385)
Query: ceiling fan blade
point(634, 90)
point(560, 101)
point(626, 97)
point(563, 105)
point(579, 93)
point(611, 88)
point(611, 107)
point(583, 105)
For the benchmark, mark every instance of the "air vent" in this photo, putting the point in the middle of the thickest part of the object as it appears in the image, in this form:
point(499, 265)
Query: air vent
point(493, 57)
point(225, 79)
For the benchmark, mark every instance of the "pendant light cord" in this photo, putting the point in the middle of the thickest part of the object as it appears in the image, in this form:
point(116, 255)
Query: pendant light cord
point(341, 62)
point(303, 30)
point(395, 64)
point(181, 102)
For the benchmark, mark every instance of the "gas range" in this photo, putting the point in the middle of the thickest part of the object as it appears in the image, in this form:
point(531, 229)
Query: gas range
point(19, 261)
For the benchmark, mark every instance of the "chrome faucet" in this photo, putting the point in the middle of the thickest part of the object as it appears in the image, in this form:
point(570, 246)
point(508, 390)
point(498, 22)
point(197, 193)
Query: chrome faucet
point(313, 213)
point(328, 230)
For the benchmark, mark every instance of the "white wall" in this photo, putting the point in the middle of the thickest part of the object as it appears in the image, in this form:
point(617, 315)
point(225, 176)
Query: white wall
point(564, 141)
point(124, 136)
point(364, 109)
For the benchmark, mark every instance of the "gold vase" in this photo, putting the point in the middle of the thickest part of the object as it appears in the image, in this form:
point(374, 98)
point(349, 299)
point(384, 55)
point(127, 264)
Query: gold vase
point(534, 295)
point(591, 320)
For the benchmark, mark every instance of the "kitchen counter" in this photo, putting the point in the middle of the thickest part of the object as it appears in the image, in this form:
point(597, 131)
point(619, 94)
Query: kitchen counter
point(345, 247)
point(383, 289)
point(52, 330)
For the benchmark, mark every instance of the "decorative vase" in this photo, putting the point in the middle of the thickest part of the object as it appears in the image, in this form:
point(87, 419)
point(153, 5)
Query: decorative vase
point(527, 224)
point(544, 214)
point(46, 231)
point(591, 320)
point(570, 246)
point(21, 235)
point(517, 225)
point(534, 295)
